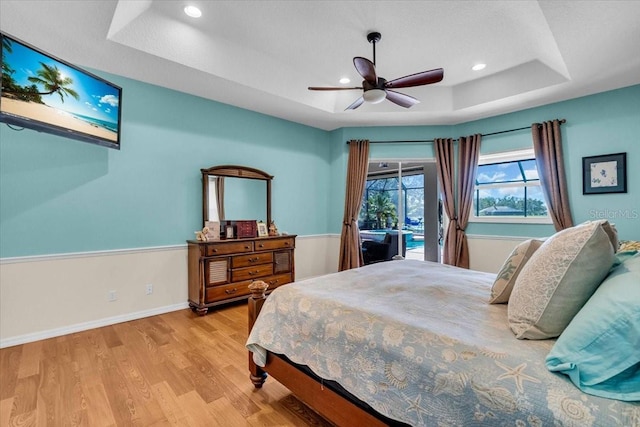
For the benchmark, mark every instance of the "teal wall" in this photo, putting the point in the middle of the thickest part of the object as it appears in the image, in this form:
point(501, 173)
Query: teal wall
point(59, 195)
point(604, 123)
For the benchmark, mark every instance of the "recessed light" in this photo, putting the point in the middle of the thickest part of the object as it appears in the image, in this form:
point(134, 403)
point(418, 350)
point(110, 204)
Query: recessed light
point(345, 80)
point(478, 67)
point(193, 11)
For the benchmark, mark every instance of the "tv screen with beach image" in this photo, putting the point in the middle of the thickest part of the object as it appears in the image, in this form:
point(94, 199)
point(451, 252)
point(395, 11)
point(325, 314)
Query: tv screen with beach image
point(47, 94)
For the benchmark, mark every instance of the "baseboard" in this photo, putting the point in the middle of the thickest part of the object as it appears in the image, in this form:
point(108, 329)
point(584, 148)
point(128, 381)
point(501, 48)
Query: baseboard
point(52, 333)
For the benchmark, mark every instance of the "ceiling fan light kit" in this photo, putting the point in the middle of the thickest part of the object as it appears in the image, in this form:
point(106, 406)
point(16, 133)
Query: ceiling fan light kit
point(374, 96)
point(377, 89)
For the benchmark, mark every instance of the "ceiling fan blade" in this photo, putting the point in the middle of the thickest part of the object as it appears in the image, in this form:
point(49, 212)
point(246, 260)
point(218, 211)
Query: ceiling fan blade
point(418, 79)
point(332, 88)
point(366, 69)
point(358, 102)
point(401, 99)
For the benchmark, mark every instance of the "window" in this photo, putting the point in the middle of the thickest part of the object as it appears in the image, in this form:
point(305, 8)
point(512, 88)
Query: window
point(508, 189)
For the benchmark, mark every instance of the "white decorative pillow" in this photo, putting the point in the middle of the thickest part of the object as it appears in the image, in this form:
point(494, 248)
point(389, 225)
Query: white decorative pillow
point(501, 289)
point(558, 280)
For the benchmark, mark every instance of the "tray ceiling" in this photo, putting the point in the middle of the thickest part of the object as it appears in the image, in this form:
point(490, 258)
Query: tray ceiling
point(262, 55)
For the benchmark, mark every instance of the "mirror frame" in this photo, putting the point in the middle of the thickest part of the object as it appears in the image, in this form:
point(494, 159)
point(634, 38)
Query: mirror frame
point(233, 171)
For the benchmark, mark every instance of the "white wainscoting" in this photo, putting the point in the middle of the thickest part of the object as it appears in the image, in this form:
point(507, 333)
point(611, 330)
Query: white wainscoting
point(317, 255)
point(48, 296)
point(488, 253)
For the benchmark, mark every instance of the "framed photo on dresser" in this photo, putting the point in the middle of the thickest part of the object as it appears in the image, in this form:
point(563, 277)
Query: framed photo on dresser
point(263, 230)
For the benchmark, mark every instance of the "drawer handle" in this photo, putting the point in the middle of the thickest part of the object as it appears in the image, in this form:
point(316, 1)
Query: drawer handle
point(230, 291)
point(273, 282)
point(261, 245)
point(214, 250)
point(254, 259)
point(253, 273)
point(286, 243)
point(247, 247)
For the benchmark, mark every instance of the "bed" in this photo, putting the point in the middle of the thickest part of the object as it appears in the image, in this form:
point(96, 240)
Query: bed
point(413, 343)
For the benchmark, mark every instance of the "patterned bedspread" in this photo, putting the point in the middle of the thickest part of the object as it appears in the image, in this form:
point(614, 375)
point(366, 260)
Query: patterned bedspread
point(419, 343)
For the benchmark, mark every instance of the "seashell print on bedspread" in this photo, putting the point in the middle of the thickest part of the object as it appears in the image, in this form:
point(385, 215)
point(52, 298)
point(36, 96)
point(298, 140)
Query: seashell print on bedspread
point(419, 342)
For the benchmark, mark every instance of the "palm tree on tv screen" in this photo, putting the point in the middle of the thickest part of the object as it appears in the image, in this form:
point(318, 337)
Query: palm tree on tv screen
point(8, 83)
point(49, 76)
point(6, 45)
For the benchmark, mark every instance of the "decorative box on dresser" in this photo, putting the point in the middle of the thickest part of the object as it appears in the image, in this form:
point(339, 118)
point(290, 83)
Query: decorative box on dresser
point(221, 271)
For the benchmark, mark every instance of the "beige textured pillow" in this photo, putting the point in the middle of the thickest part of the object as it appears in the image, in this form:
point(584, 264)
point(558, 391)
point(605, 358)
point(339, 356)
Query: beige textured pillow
point(612, 232)
point(558, 280)
point(501, 289)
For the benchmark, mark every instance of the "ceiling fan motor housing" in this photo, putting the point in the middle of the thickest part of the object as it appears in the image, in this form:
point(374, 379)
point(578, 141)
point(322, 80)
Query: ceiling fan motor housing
point(380, 85)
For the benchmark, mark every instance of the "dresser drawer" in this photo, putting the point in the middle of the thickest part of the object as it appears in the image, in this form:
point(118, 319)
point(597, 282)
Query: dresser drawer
point(229, 248)
point(265, 245)
point(252, 259)
point(278, 280)
point(221, 293)
point(253, 272)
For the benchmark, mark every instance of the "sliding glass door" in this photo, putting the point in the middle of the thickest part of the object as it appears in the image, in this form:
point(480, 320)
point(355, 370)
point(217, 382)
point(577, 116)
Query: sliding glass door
point(401, 199)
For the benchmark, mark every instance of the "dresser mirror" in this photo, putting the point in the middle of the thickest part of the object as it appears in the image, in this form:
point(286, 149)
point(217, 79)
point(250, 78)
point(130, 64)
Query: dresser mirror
point(235, 193)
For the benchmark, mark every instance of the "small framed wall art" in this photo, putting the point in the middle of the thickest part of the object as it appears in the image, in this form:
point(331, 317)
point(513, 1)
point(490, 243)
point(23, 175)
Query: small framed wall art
point(604, 174)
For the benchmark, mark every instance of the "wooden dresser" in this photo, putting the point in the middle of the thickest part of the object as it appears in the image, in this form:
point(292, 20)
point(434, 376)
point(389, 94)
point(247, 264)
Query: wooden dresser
point(221, 271)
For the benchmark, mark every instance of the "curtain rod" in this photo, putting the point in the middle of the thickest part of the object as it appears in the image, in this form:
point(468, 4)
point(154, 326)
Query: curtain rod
point(421, 141)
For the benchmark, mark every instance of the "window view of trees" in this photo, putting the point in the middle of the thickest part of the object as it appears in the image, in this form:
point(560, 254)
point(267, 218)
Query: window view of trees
point(510, 205)
point(509, 189)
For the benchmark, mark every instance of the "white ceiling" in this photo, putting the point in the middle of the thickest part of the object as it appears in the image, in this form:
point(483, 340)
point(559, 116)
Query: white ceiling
point(262, 55)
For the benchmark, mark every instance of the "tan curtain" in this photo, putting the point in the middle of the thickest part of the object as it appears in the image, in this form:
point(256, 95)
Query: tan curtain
point(444, 166)
point(547, 146)
point(357, 167)
point(457, 204)
point(468, 153)
point(220, 197)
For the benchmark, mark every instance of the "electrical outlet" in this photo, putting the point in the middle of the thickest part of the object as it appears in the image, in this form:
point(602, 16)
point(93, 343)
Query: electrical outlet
point(149, 288)
point(112, 296)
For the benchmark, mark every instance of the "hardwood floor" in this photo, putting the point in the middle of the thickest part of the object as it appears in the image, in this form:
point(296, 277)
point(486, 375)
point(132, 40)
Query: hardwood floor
point(175, 369)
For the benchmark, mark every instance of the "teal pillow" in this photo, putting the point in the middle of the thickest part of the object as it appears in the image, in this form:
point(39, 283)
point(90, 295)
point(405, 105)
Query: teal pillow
point(621, 257)
point(600, 348)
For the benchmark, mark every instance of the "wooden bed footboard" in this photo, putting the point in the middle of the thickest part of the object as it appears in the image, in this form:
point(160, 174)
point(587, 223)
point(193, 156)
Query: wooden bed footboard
point(329, 403)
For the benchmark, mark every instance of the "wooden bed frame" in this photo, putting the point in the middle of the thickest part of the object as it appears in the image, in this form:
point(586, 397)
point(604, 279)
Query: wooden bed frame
point(326, 400)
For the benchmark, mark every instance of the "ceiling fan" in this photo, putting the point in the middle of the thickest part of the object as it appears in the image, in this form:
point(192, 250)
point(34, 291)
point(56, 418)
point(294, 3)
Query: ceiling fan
point(377, 89)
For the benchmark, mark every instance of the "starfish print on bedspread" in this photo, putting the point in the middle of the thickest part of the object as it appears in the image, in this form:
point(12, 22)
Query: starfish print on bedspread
point(415, 405)
point(517, 374)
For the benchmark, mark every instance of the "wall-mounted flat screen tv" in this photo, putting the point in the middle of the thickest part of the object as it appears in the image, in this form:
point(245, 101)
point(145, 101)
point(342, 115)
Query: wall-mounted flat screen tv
point(47, 94)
